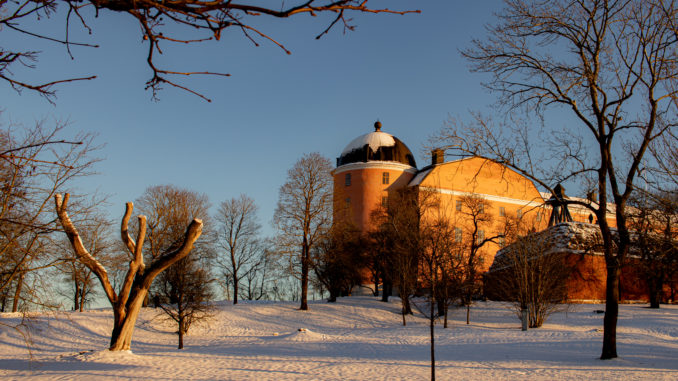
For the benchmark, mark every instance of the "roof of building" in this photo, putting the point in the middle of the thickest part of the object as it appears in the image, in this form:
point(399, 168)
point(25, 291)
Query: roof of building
point(376, 146)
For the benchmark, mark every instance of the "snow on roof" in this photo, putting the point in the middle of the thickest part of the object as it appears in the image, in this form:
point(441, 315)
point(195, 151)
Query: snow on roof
point(374, 139)
point(419, 177)
point(566, 237)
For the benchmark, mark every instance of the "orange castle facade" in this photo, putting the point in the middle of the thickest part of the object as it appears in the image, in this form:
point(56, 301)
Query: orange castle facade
point(374, 165)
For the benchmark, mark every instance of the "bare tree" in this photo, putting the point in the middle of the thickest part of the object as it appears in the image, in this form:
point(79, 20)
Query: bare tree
point(304, 214)
point(95, 236)
point(338, 259)
point(127, 302)
point(186, 292)
point(400, 245)
point(474, 220)
point(611, 66)
point(533, 279)
point(653, 218)
point(161, 23)
point(260, 273)
point(168, 209)
point(34, 164)
point(238, 236)
point(437, 260)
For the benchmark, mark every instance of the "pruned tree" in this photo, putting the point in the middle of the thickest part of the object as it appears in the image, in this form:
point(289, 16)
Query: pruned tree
point(185, 291)
point(127, 301)
point(169, 209)
point(304, 214)
point(611, 66)
point(81, 280)
point(238, 237)
point(161, 23)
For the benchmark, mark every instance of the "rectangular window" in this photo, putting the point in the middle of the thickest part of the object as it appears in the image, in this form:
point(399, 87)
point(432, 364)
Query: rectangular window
point(384, 201)
point(458, 205)
point(348, 179)
point(502, 211)
point(384, 178)
point(480, 237)
point(348, 202)
point(457, 234)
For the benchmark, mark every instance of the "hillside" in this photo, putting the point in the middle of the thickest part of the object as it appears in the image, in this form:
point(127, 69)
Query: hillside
point(358, 338)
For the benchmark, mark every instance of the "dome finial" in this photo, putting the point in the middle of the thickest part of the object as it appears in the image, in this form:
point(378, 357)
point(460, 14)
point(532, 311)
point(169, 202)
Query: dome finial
point(377, 125)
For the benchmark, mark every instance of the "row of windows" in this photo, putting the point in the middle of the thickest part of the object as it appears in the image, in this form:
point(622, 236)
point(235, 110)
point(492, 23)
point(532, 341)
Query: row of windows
point(385, 179)
point(502, 211)
point(480, 237)
point(384, 201)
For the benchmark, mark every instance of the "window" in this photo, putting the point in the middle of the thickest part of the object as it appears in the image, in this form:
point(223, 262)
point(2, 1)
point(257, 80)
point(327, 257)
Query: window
point(458, 205)
point(348, 179)
point(348, 202)
point(538, 218)
point(502, 211)
point(384, 178)
point(519, 213)
point(384, 201)
point(480, 237)
point(481, 209)
point(502, 241)
point(457, 234)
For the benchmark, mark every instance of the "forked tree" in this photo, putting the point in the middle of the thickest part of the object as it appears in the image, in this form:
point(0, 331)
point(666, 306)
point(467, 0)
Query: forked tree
point(127, 303)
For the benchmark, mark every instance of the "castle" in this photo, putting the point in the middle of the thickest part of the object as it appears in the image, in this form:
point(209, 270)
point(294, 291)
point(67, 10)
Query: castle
point(374, 165)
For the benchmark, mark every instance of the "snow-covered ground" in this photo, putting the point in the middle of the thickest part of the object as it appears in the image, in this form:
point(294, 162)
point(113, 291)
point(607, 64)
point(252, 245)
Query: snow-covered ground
point(358, 338)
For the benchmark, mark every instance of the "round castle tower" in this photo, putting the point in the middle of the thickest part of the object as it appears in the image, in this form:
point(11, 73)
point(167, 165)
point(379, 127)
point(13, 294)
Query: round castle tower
point(371, 166)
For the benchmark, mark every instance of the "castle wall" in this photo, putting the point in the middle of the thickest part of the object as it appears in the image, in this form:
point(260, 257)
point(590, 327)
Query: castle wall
point(366, 190)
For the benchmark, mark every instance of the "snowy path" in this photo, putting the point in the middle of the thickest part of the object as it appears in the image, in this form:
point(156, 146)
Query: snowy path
point(358, 338)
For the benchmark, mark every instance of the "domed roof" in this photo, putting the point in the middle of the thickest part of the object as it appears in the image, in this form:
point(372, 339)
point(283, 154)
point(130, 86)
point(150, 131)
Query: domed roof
point(376, 146)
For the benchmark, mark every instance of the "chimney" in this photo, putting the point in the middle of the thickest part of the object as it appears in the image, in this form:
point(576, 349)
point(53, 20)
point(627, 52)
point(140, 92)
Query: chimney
point(437, 156)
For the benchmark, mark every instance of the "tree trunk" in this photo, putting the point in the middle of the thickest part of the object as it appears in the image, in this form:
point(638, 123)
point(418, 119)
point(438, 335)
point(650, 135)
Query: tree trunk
point(611, 311)
point(433, 347)
point(181, 331)
point(235, 289)
point(17, 292)
point(468, 313)
point(304, 276)
point(76, 296)
point(655, 285)
point(82, 299)
point(386, 291)
point(124, 319)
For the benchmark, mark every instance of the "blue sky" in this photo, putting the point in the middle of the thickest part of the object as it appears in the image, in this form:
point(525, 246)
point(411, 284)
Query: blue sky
point(403, 70)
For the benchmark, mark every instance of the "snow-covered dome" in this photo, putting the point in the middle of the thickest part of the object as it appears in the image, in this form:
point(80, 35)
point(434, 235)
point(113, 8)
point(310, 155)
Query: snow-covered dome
point(376, 146)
